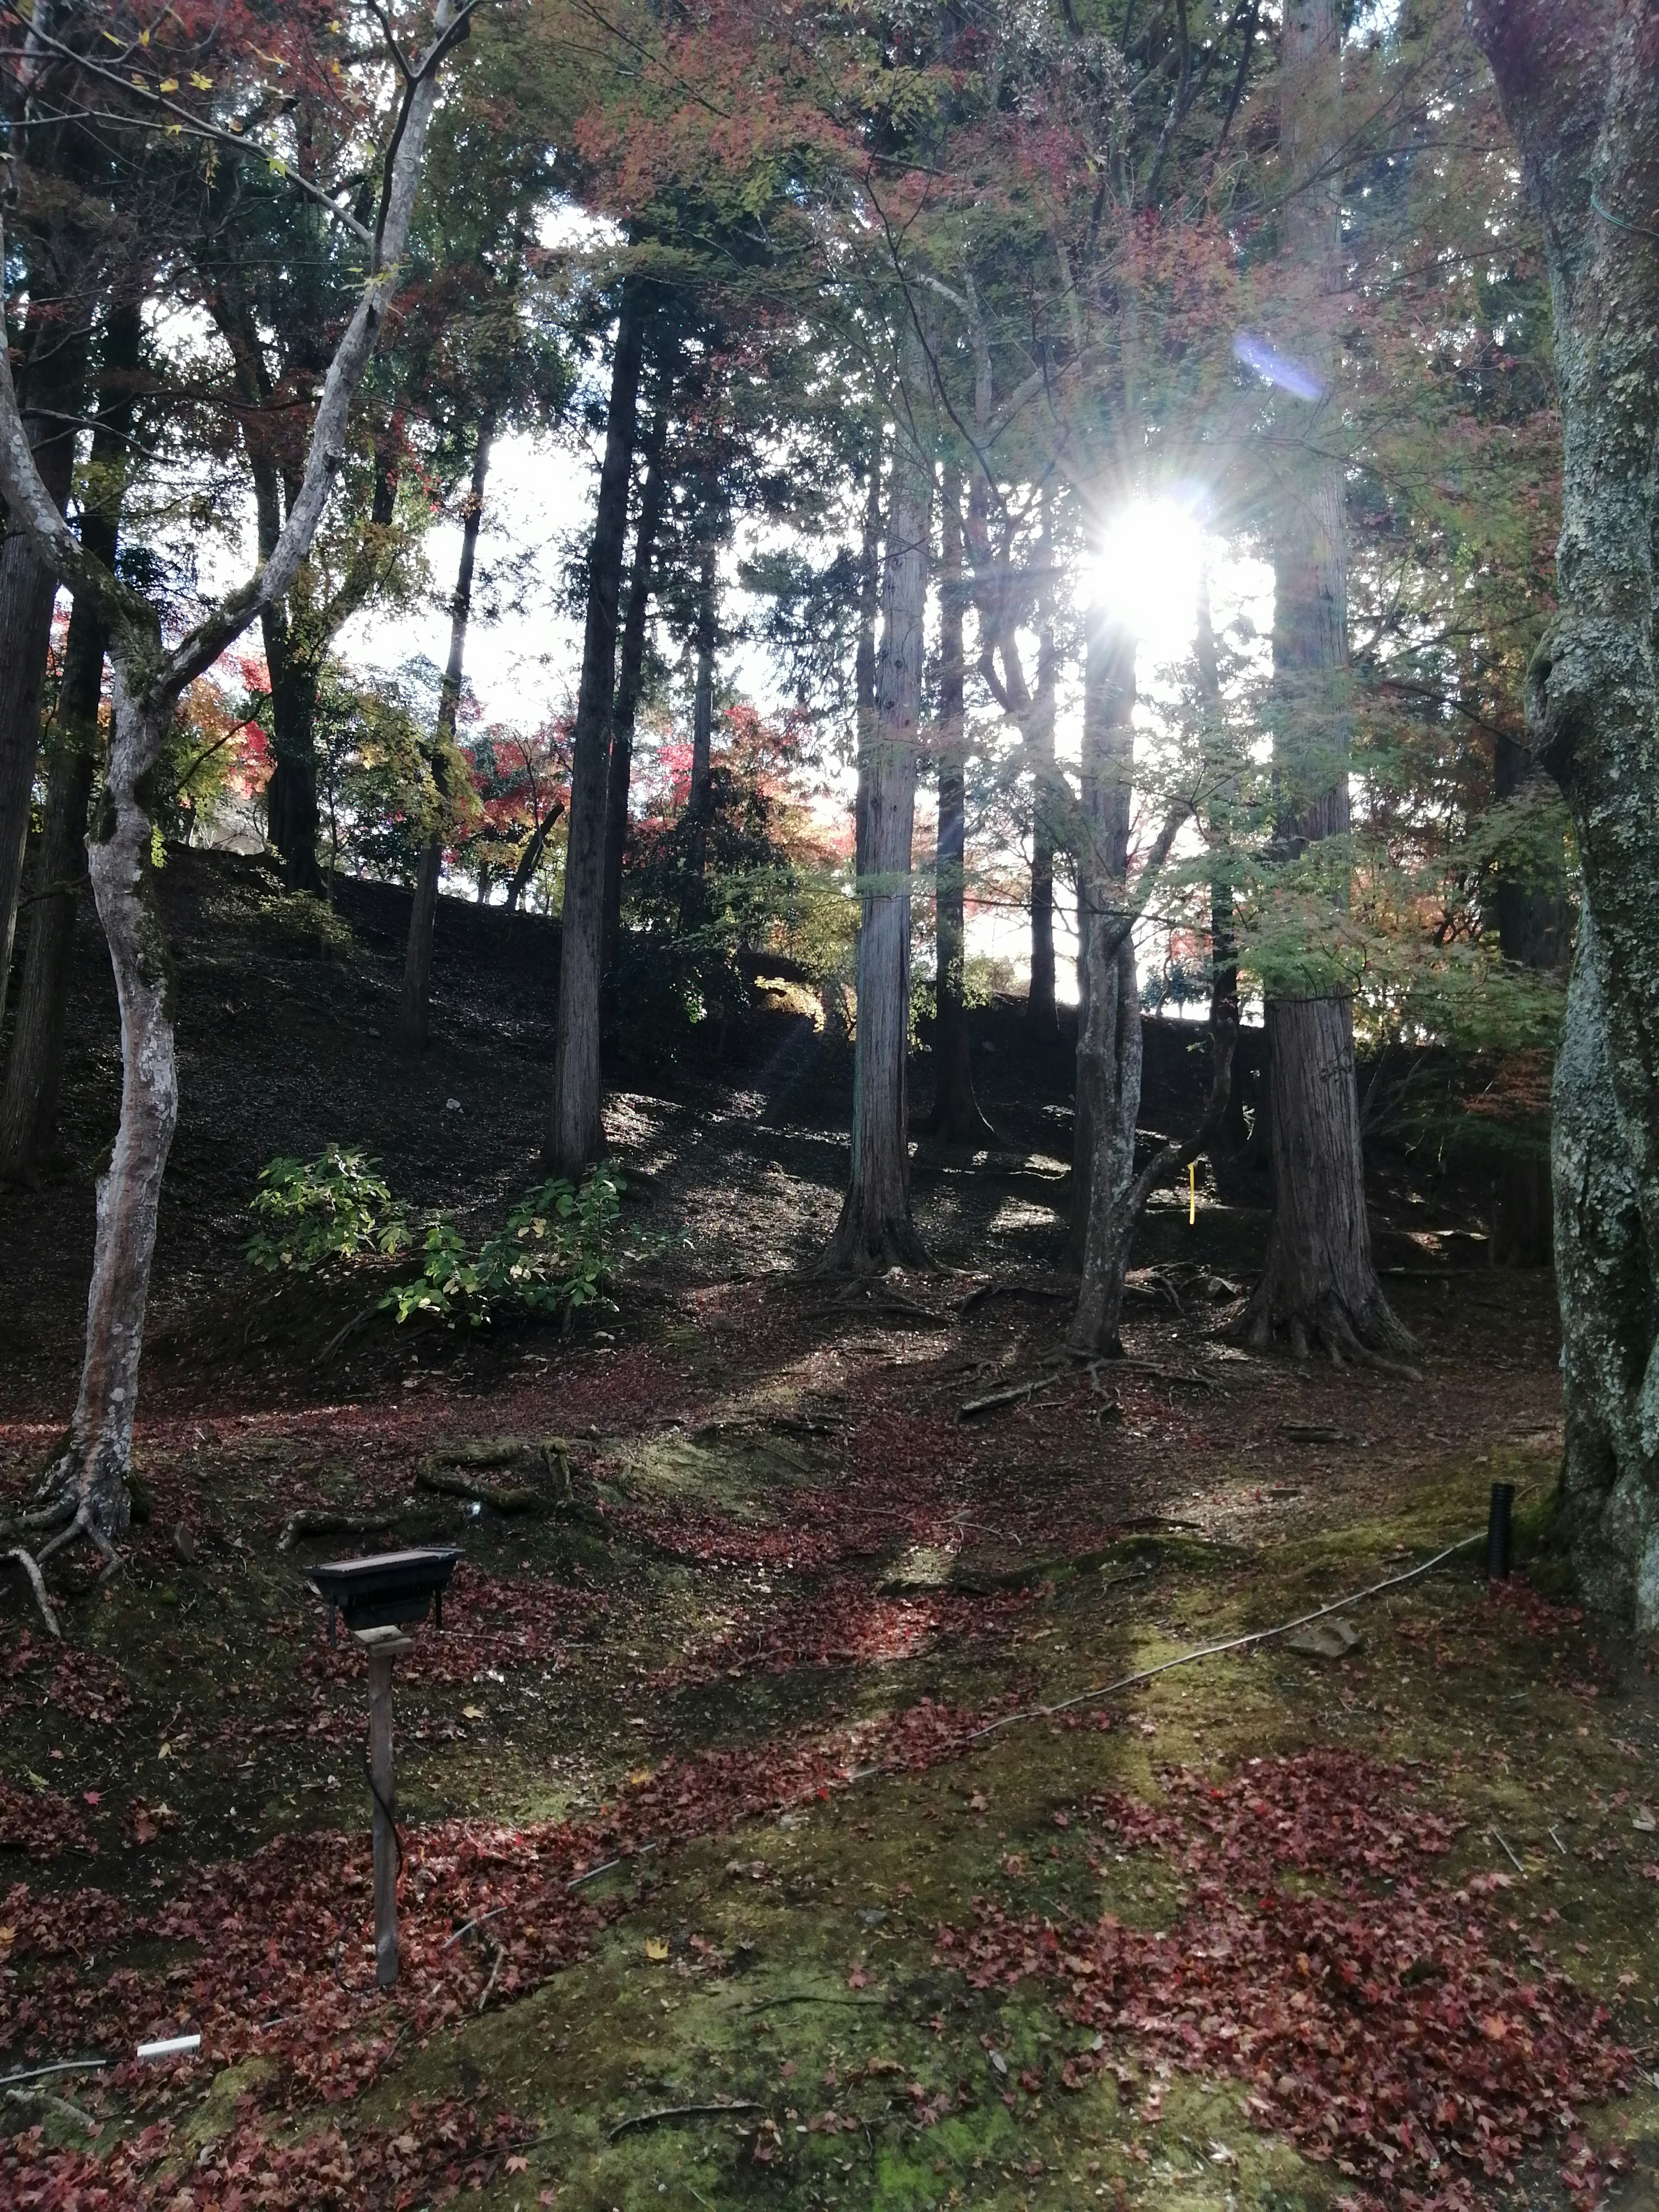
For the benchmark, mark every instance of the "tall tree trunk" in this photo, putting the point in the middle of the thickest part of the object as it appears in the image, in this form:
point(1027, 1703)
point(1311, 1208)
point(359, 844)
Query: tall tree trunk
point(956, 1116)
point(1580, 87)
point(53, 377)
point(291, 809)
point(703, 710)
point(28, 1113)
point(575, 1136)
point(875, 1229)
point(1040, 742)
point(1233, 1137)
point(863, 666)
point(412, 1013)
point(1320, 1287)
point(1108, 1045)
point(653, 499)
point(1535, 930)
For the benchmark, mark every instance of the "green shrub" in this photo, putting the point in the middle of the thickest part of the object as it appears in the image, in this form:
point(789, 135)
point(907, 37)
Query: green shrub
point(560, 1250)
point(323, 1212)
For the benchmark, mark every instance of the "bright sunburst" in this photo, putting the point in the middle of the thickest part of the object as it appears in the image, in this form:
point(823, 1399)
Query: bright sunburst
point(1147, 574)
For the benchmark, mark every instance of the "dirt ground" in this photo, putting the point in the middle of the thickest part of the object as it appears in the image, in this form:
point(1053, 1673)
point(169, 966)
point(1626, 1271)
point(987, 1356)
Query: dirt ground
point(748, 1857)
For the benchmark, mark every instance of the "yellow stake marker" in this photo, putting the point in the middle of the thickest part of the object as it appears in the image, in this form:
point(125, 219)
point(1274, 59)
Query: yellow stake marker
point(1192, 1194)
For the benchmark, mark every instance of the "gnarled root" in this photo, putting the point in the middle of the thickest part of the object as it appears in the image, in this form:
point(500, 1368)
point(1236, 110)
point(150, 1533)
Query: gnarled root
point(70, 1502)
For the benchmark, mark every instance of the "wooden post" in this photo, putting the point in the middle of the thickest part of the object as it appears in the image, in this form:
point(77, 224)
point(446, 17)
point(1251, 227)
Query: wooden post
point(383, 1646)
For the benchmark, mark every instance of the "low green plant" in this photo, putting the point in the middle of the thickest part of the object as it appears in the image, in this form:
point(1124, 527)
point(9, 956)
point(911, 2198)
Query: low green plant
point(323, 1212)
point(558, 1253)
point(560, 1250)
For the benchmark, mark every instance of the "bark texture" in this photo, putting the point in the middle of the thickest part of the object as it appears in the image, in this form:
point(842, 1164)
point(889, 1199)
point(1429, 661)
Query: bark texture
point(1320, 1286)
point(875, 1229)
point(1039, 733)
point(1108, 1047)
point(956, 1116)
point(1580, 89)
point(51, 388)
point(703, 708)
point(28, 1112)
point(575, 1135)
point(414, 1010)
point(1535, 929)
point(654, 497)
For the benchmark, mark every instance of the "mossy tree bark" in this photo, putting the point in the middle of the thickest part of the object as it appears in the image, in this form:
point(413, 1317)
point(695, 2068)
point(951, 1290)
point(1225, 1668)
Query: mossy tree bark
point(1580, 89)
point(956, 1116)
point(85, 1491)
point(575, 1134)
point(1535, 930)
point(875, 1229)
point(1320, 1286)
point(28, 1113)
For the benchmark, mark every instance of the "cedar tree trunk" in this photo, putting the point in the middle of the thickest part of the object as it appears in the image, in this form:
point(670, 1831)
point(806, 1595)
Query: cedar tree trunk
point(1108, 1012)
point(412, 1013)
point(653, 499)
point(864, 668)
point(1535, 929)
point(28, 1113)
point(875, 1229)
point(575, 1134)
point(54, 372)
point(1580, 87)
point(955, 1117)
point(702, 711)
point(1320, 1286)
point(1040, 742)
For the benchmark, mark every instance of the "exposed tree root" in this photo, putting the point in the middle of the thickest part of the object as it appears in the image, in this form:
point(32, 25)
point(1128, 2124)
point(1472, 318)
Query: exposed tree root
point(864, 1247)
point(1373, 1338)
point(38, 1582)
point(67, 1503)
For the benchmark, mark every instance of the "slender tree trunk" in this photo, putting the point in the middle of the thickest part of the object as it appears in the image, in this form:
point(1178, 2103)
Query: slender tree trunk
point(575, 1135)
point(1039, 735)
point(875, 1229)
point(1320, 1286)
point(54, 376)
point(1535, 930)
point(87, 1490)
point(1108, 1047)
point(1580, 87)
point(28, 1113)
point(412, 1013)
point(955, 1117)
point(653, 499)
point(702, 711)
point(864, 667)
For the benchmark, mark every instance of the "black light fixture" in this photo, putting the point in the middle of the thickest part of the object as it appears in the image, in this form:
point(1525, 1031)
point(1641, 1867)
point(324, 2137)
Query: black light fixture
point(390, 1589)
point(380, 1597)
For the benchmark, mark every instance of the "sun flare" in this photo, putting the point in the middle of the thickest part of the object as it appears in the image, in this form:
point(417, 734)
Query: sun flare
point(1147, 574)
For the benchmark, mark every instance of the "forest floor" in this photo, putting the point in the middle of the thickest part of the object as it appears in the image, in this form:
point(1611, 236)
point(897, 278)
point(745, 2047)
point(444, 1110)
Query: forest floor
point(742, 1866)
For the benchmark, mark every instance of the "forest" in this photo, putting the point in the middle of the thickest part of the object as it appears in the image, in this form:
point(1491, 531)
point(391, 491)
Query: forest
point(829, 1105)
